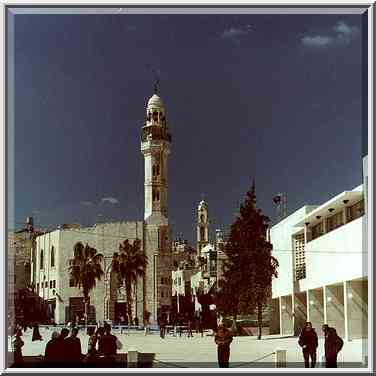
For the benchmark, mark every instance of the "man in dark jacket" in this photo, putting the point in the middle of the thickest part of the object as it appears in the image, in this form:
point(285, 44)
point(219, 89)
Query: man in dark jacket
point(333, 345)
point(107, 346)
point(308, 341)
point(73, 346)
point(223, 339)
point(51, 354)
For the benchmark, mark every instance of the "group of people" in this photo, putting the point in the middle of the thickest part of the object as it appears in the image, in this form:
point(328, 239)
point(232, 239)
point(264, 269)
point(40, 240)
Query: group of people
point(64, 350)
point(308, 341)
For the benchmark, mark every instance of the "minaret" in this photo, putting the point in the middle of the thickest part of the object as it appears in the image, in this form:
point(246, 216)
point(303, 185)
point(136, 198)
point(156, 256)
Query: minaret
point(202, 226)
point(155, 146)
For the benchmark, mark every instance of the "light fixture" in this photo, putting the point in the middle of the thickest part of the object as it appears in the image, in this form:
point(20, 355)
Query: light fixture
point(345, 201)
point(331, 209)
point(329, 299)
point(350, 295)
point(307, 223)
point(283, 307)
point(318, 216)
point(311, 302)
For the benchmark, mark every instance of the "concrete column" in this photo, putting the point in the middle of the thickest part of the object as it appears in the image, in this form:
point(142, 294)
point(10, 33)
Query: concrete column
point(324, 303)
point(308, 305)
point(280, 358)
point(132, 358)
point(346, 309)
point(280, 316)
point(344, 215)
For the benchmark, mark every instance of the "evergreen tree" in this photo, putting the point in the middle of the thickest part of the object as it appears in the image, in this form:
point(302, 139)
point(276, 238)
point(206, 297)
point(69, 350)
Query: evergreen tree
point(248, 271)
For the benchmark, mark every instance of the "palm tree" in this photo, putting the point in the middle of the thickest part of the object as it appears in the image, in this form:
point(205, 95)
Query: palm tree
point(130, 264)
point(85, 270)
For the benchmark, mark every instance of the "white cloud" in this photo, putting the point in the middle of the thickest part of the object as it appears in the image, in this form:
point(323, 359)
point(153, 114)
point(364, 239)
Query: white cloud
point(341, 33)
point(86, 203)
point(316, 41)
point(236, 32)
point(111, 200)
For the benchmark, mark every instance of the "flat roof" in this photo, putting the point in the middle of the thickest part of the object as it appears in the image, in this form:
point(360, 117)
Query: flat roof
point(334, 203)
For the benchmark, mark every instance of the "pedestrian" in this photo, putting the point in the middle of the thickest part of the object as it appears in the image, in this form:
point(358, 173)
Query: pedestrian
point(136, 321)
point(92, 354)
point(190, 329)
point(308, 341)
point(223, 339)
point(17, 349)
point(162, 327)
point(52, 351)
point(333, 345)
point(36, 335)
point(73, 348)
point(201, 327)
point(108, 345)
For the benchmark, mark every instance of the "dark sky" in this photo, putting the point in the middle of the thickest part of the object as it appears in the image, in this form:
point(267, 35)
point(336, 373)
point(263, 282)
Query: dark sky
point(277, 98)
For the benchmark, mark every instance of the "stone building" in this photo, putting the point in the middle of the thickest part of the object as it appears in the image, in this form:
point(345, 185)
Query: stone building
point(52, 256)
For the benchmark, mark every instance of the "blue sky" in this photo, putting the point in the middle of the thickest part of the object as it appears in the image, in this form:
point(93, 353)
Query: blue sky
point(275, 98)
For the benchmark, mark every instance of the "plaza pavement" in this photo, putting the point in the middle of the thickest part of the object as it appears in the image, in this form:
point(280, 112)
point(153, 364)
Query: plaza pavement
point(202, 351)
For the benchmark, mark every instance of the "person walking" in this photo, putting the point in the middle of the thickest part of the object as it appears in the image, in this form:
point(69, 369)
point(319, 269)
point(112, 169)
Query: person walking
point(223, 339)
point(308, 341)
point(52, 350)
point(333, 345)
point(17, 349)
point(36, 335)
point(190, 334)
point(201, 328)
point(92, 354)
point(73, 347)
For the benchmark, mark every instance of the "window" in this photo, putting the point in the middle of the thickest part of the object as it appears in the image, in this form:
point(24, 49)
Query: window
point(70, 262)
point(38, 288)
point(355, 211)
point(71, 283)
point(202, 218)
point(41, 259)
point(52, 257)
point(46, 284)
point(334, 221)
point(54, 284)
point(317, 230)
point(162, 280)
point(179, 281)
point(155, 116)
point(50, 284)
point(162, 295)
point(299, 257)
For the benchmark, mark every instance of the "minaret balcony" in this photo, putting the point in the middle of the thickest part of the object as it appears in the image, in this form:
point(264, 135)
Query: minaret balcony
point(155, 133)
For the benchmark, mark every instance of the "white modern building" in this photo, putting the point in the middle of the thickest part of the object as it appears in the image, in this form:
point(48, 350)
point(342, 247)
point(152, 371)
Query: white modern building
point(323, 278)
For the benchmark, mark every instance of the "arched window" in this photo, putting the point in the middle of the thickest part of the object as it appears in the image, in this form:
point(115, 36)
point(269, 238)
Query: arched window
point(41, 259)
point(52, 256)
point(155, 116)
point(202, 218)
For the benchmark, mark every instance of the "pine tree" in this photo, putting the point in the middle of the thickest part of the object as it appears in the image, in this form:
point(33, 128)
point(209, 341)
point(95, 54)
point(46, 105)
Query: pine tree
point(248, 271)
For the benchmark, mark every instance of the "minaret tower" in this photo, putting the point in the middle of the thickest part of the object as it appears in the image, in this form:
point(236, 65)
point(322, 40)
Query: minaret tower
point(155, 146)
point(202, 226)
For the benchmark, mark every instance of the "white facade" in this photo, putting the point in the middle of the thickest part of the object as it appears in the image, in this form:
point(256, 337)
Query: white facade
point(322, 267)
